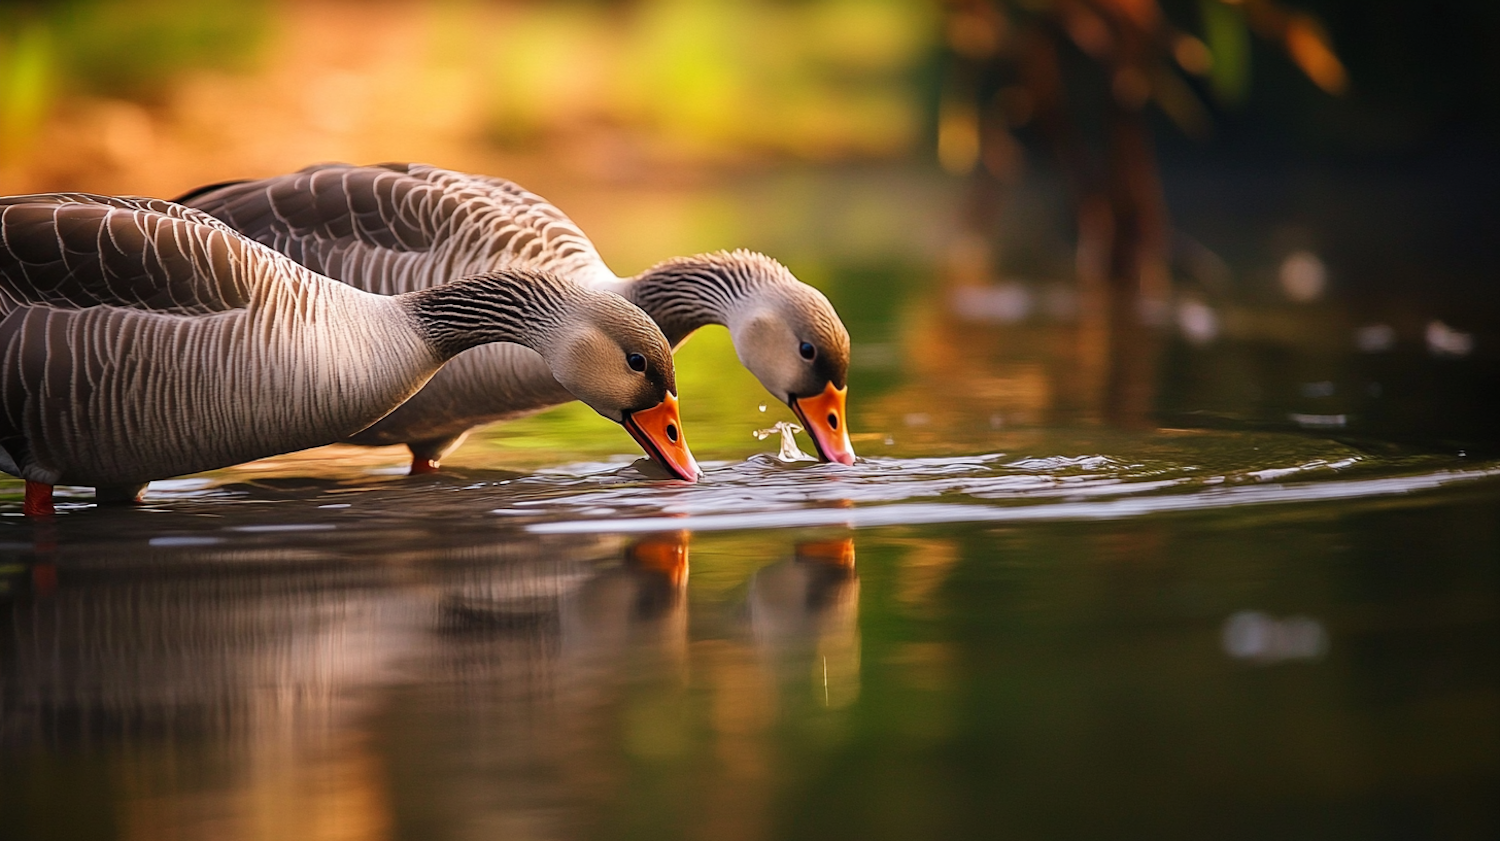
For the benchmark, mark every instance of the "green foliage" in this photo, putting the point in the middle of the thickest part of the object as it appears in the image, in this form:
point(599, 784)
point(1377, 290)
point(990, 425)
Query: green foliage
point(1228, 39)
point(25, 83)
point(819, 80)
point(128, 49)
point(111, 48)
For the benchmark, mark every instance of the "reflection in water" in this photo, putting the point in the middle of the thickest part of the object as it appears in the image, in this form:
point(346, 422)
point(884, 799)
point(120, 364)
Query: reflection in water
point(511, 723)
point(499, 689)
point(238, 680)
point(584, 610)
point(429, 669)
point(807, 608)
point(229, 688)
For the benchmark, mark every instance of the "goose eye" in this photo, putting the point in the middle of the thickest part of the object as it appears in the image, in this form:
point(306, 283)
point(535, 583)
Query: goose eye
point(636, 362)
point(807, 350)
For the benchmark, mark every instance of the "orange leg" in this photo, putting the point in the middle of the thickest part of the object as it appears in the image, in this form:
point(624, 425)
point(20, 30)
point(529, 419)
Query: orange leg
point(38, 500)
point(427, 455)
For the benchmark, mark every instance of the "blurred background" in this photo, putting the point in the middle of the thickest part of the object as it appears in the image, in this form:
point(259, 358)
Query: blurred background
point(1092, 254)
point(1122, 211)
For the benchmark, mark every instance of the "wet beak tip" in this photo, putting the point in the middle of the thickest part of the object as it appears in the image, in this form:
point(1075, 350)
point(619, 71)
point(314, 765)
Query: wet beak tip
point(831, 439)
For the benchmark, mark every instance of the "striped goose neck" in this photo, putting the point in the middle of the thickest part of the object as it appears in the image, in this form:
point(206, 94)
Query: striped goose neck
point(526, 307)
point(685, 293)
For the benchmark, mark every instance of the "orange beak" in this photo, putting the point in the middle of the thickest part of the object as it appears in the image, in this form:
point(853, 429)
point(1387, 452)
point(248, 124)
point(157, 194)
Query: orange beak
point(823, 417)
point(836, 553)
point(659, 432)
point(665, 554)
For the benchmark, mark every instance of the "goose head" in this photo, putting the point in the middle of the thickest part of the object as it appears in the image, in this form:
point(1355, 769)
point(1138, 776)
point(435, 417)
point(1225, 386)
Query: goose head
point(789, 336)
point(600, 347)
point(615, 359)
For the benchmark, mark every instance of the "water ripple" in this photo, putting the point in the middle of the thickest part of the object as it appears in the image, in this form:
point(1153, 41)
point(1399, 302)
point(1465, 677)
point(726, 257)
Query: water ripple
point(765, 492)
point(1078, 476)
point(906, 514)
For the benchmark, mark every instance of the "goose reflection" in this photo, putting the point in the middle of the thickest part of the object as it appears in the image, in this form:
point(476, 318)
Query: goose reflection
point(257, 688)
point(236, 686)
point(511, 728)
point(553, 690)
point(577, 609)
point(804, 614)
point(235, 675)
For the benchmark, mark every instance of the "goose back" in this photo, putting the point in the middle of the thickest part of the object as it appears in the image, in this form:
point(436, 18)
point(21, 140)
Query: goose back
point(397, 228)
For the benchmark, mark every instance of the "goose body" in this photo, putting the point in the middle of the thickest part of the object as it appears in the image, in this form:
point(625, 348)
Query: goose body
point(394, 228)
point(140, 339)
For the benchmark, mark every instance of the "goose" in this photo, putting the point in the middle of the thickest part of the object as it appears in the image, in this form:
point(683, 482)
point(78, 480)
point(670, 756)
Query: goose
point(140, 339)
point(398, 227)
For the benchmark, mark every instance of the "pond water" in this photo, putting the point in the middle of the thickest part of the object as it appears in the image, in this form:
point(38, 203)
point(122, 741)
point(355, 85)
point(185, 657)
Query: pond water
point(1272, 610)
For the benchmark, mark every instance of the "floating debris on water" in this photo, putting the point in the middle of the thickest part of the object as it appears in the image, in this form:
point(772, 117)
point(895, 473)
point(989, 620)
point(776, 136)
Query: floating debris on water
point(1319, 421)
point(1443, 340)
point(1258, 637)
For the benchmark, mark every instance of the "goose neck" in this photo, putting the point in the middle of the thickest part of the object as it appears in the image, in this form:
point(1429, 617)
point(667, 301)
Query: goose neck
point(513, 305)
point(686, 293)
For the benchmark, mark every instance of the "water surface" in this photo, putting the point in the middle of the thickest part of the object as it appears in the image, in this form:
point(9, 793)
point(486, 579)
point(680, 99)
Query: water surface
point(1170, 632)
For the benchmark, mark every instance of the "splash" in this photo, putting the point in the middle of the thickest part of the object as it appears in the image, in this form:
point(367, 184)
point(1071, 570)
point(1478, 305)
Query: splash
point(788, 431)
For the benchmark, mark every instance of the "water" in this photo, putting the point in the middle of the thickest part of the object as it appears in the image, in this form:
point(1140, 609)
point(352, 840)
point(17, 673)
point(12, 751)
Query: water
point(1147, 633)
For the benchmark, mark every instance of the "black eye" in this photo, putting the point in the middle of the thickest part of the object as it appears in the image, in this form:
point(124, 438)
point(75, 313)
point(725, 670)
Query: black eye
point(636, 362)
point(672, 432)
point(807, 350)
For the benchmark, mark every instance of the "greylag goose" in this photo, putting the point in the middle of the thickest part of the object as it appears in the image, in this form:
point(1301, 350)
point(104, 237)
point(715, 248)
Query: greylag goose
point(140, 339)
point(398, 227)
